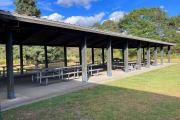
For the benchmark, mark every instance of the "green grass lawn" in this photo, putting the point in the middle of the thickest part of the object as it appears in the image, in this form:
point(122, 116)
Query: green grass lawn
point(151, 96)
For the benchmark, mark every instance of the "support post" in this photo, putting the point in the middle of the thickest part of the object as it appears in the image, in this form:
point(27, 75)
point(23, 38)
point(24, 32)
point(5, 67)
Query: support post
point(65, 56)
point(9, 64)
point(125, 50)
point(148, 55)
point(169, 54)
point(109, 59)
point(46, 56)
point(103, 61)
point(84, 59)
point(139, 55)
point(92, 55)
point(161, 54)
point(155, 55)
point(21, 59)
point(143, 55)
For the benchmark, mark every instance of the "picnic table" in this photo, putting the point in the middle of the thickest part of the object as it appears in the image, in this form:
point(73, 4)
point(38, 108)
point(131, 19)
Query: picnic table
point(94, 68)
point(75, 71)
point(4, 69)
point(47, 73)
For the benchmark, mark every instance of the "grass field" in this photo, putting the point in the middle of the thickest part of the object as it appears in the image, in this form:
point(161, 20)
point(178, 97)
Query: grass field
point(151, 96)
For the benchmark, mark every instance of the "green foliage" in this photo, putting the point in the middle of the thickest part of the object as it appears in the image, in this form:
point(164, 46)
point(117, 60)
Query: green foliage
point(149, 23)
point(108, 25)
point(175, 20)
point(153, 23)
point(36, 55)
point(55, 53)
point(27, 7)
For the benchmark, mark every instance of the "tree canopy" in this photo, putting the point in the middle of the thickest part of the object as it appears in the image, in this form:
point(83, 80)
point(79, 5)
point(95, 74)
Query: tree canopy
point(27, 7)
point(151, 23)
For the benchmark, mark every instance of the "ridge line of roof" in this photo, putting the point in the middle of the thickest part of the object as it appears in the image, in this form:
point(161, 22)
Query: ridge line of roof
point(80, 28)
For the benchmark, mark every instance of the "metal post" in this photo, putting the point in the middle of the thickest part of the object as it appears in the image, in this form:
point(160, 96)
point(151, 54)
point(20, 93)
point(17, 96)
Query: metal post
point(84, 59)
point(155, 55)
point(169, 54)
point(103, 56)
point(9, 64)
point(65, 56)
point(125, 50)
point(92, 53)
point(161, 54)
point(139, 55)
point(46, 56)
point(148, 55)
point(109, 59)
point(21, 58)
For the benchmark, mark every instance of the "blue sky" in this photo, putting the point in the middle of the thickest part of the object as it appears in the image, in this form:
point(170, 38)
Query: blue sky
point(88, 12)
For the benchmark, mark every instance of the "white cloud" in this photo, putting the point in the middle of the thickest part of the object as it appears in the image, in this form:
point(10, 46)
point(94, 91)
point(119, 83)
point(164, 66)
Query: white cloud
point(85, 3)
point(45, 5)
point(78, 20)
point(54, 17)
point(162, 7)
point(5, 3)
point(85, 21)
point(116, 16)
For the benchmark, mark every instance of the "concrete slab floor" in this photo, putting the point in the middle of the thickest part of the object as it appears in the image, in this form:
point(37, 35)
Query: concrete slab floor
point(29, 92)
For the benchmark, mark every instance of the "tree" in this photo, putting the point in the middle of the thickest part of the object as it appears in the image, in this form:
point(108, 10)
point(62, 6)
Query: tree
point(175, 21)
point(146, 22)
point(34, 55)
point(108, 25)
point(27, 7)
point(153, 23)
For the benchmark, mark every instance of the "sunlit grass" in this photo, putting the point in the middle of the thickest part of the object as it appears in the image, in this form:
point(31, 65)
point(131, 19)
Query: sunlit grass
point(151, 96)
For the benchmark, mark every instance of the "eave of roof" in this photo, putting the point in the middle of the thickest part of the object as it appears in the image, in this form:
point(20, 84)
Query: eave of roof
point(43, 21)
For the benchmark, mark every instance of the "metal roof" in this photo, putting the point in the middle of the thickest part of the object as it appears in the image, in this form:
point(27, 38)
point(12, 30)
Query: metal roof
point(5, 16)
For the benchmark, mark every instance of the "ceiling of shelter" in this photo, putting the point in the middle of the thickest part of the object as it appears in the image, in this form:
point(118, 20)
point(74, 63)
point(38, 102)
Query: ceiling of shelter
point(26, 33)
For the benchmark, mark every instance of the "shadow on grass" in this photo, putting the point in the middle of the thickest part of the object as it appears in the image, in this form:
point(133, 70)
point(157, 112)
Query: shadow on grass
point(102, 102)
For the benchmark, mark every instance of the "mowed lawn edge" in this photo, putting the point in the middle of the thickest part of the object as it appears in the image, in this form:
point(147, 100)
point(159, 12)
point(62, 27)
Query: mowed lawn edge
point(153, 95)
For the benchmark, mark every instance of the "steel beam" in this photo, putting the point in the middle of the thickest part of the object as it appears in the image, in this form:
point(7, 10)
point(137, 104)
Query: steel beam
point(109, 59)
point(84, 59)
point(9, 64)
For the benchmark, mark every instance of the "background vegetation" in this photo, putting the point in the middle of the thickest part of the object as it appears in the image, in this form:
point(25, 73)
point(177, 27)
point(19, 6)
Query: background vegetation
point(151, 23)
